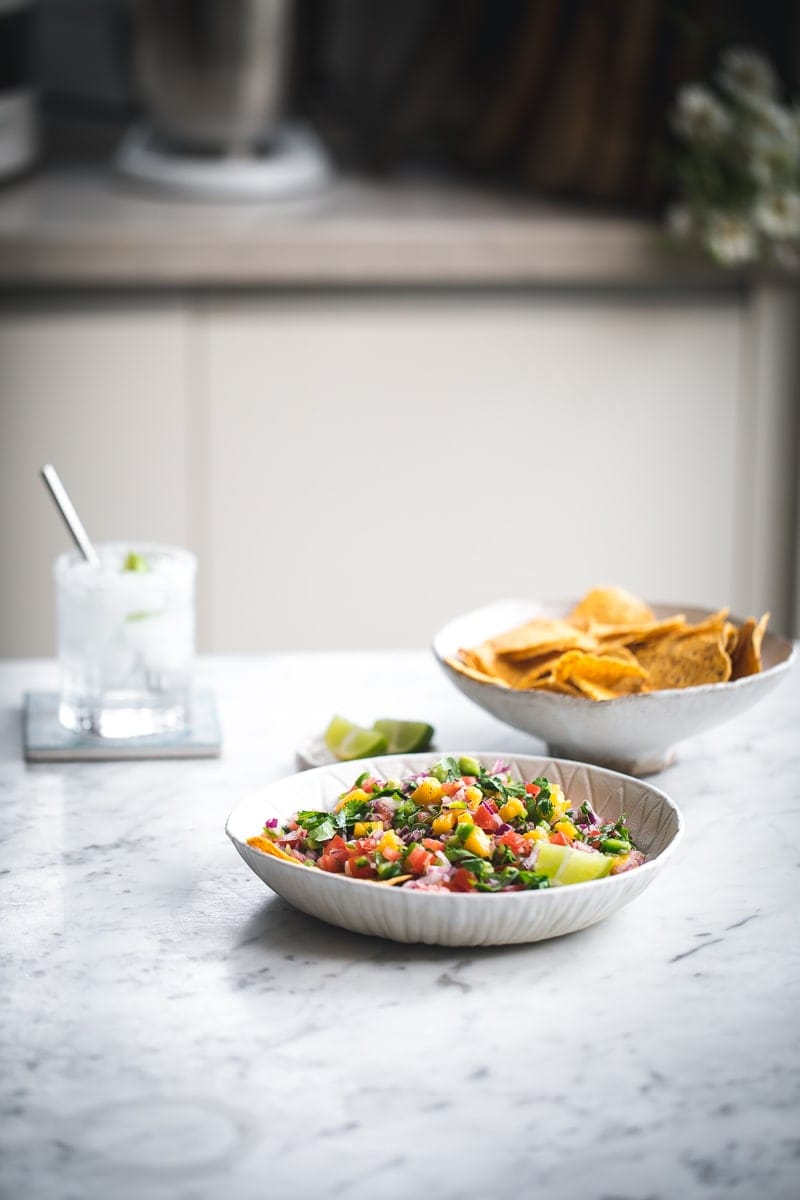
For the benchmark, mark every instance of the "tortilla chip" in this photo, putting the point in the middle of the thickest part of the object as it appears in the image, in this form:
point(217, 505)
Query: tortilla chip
point(600, 677)
point(485, 659)
point(685, 660)
point(611, 606)
point(730, 636)
point(715, 623)
point(615, 651)
point(635, 634)
point(746, 657)
point(538, 668)
point(268, 847)
point(466, 669)
point(541, 636)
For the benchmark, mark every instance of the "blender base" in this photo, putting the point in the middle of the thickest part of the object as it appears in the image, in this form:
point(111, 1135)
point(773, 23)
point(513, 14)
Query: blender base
point(293, 164)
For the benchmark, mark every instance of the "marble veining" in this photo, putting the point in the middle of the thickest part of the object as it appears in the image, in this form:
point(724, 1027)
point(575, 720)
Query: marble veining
point(170, 1030)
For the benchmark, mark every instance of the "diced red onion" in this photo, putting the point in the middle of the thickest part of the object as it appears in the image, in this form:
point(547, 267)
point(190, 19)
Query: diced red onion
point(504, 827)
point(436, 874)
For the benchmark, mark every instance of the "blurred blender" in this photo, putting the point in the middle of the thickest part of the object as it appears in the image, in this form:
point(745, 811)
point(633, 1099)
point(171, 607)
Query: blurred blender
point(18, 116)
point(212, 76)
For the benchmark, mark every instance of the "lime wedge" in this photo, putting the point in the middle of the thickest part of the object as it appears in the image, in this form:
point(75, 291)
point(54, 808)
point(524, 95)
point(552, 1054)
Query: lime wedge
point(360, 743)
point(338, 730)
point(562, 864)
point(404, 737)
point(346, 740)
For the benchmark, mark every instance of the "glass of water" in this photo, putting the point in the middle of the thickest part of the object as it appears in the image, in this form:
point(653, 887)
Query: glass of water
point(125, 633)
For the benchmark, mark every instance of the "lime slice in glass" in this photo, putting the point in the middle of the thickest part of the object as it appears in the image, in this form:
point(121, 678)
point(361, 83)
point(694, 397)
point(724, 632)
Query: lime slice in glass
point(404, 737)
point(136, 562)
point(562, 864)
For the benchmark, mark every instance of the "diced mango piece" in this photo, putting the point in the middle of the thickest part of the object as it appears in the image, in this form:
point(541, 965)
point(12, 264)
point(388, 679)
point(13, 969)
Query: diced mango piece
point(363, 829)
point(479, 843)
point(464, 816)
point(473, 797)
point(512, 809)
point(444, 822)
point(567, 828)
point(356, 794)
point(559, 802)
point(391, 842)
point(428, 792)
point(535, 835)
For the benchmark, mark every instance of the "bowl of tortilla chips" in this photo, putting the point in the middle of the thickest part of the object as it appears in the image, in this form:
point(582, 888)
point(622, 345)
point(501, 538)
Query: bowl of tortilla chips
point(612, 679)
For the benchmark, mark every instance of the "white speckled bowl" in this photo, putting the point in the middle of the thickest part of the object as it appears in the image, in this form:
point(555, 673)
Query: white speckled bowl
point(635, 734)
point(456, 919)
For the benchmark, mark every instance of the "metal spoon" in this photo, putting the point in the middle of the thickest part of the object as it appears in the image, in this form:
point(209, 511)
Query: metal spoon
point(71, 519)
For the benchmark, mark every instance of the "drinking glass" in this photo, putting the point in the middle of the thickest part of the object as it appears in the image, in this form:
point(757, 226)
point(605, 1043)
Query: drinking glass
point(125, 636)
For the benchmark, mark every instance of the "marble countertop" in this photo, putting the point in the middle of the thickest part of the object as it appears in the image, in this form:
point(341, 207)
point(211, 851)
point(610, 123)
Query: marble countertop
point(81, 227)
point(171, 1030)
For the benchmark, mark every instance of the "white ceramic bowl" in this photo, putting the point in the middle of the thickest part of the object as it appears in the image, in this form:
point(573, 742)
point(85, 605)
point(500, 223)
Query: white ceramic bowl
point(635, 734)
point(459, 919)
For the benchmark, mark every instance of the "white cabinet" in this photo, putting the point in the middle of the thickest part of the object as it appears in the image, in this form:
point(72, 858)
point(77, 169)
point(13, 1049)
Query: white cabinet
point(380, 464)
point(355, 467)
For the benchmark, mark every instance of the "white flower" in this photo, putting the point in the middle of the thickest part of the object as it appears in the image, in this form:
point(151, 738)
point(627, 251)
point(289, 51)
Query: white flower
point(771, 142)
point(764, 164)
point(772, 122)
point(699, 114)
point(745, 72)
point(730, 238)
point(680, 222)
point(777, 215)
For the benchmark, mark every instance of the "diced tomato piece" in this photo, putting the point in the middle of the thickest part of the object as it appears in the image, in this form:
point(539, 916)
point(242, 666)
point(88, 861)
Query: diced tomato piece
point(559, 839)
point(418, 860)
point(365, 845)
point(462, 880)
point(485, 819)
point(490, 804)
point(515, 842)
point(357, 870)
point(390, 853)
point(432, 844)
point(327, 862)
point(337, 850)
point(452, 787)
point(532, 789)
point(468, 780)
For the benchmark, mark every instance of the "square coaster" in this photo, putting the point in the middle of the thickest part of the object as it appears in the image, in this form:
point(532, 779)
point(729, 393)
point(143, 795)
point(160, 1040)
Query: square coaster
point(46, 740)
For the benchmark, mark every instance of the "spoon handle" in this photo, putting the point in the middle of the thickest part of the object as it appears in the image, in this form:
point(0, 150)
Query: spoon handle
point(71, 519)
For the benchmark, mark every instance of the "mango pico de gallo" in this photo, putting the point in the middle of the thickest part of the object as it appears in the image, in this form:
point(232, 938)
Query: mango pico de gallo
point(457, 828)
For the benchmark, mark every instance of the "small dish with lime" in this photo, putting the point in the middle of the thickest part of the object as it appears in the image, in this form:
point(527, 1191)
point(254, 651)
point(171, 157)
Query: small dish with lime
point(345, 741)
